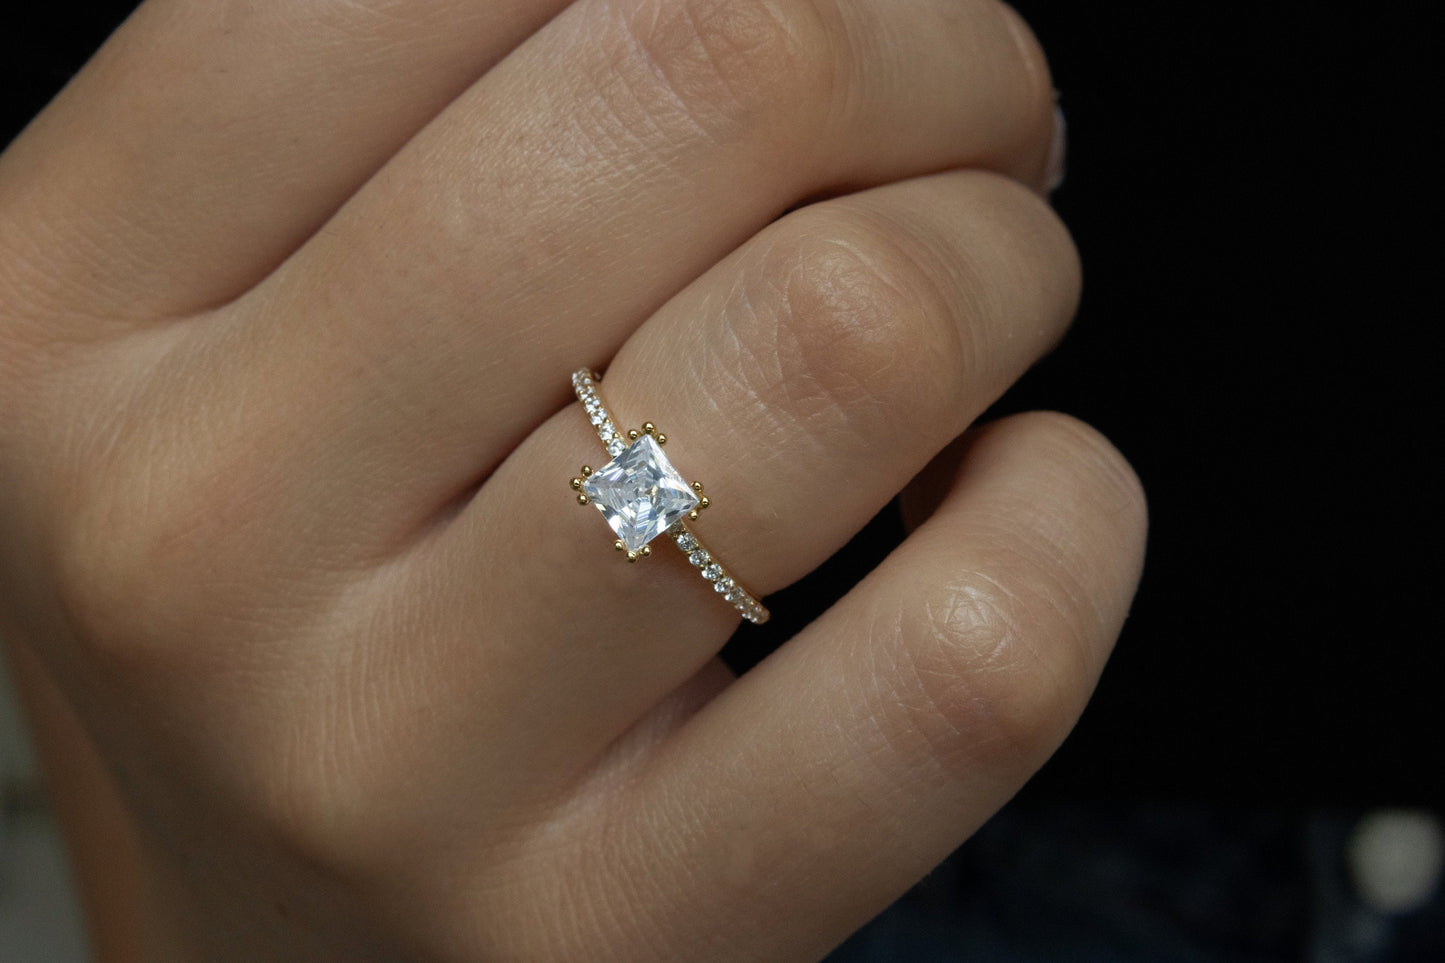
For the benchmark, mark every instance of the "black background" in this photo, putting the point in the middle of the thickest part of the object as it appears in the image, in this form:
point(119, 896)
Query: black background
point(1258, 210)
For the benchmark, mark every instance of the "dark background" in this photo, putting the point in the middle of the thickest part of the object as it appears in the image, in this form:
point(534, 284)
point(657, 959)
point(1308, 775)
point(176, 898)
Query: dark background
point(1258, 212)
point(1257, 209)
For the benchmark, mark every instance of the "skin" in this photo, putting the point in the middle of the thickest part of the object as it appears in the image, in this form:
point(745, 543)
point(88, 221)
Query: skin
point(321, 662)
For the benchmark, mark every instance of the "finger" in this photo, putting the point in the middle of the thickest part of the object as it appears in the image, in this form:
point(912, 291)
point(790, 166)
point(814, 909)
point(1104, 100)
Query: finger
point(663, 719)
point(804, 380)
point(585, 180)
point(824, 783)
point(204, 142)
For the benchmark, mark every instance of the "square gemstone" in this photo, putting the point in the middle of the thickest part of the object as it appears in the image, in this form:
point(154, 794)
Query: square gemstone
point(639, 493)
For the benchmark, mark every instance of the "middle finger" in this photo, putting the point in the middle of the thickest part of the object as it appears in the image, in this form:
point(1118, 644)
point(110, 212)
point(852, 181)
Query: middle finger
point(603, 165)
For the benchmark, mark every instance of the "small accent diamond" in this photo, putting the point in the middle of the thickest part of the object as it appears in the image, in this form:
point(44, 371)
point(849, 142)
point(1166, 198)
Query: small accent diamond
point(722, 585)
point(686, 542)
point(699, 558)
point(712, 572)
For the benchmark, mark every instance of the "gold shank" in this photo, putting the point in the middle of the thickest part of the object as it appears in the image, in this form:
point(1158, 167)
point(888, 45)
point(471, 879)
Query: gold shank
point(736, 595)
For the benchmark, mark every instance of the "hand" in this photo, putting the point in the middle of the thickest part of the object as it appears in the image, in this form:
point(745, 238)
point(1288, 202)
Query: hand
point(289, 298)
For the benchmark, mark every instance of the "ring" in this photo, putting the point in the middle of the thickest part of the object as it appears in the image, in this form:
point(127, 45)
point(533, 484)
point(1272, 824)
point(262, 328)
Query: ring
point(642, 496)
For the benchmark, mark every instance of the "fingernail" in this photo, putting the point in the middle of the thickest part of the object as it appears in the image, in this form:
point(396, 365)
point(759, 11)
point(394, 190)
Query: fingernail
point(1058, 152)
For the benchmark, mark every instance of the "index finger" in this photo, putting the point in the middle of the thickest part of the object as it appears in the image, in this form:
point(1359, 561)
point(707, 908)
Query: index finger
point(204, 142)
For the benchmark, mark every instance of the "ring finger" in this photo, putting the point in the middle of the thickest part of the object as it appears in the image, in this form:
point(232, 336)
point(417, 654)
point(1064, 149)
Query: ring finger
point(805, 379)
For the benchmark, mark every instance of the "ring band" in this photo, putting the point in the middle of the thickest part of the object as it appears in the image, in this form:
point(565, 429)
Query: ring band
point(642, 496)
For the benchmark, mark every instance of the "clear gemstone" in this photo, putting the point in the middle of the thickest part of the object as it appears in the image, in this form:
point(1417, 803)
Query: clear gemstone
point(639, 493)
point(712, 573)
point(699, 558)
point(615, 447)
point(723, 586)
point(598, 417)
point(686, 542)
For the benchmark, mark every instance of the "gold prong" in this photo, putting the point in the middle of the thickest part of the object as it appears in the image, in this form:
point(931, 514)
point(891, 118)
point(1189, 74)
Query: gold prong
point(648, 428)
point(645, 551)
point(576, 484)
point(697, 487)
point(620, 545)
point(692, 515)
point(704, 502)
point(632, 556)
point(586, 471)
point(583, 500)
point(634, 434)
point(661, 438)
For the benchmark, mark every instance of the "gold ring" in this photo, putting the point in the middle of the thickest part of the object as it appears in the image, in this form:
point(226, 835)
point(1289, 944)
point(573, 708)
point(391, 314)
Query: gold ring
point(643, 496)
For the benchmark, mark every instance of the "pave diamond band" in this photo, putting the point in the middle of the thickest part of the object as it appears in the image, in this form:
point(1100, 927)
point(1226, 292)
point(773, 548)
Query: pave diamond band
point(642, 496)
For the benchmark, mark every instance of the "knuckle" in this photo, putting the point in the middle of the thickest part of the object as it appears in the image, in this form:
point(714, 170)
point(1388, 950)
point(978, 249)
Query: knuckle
point(1025, 218)
point(979, 686)
point(1030, 255)
point(864, 317)
point(110, 580)
point(1083, 532)
point(142, 567)
point(318, 815)
point(997, 664)
point(729, 67)
point(1097, 473)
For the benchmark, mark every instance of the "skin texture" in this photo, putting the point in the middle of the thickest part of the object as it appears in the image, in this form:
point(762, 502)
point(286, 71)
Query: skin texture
point(322, 663)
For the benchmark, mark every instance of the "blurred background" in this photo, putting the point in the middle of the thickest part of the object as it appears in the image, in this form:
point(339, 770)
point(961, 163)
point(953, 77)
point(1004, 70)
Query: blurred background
point(39, 919)
point(1260, 774)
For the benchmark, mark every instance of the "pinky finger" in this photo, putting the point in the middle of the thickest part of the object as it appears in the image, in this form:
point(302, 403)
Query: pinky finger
point(819, 787)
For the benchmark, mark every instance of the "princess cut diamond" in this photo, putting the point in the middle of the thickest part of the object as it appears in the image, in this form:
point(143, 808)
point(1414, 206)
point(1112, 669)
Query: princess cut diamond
point(639, 493)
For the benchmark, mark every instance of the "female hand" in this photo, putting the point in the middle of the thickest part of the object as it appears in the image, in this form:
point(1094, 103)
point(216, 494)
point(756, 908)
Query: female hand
point(289, 298)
